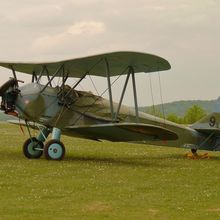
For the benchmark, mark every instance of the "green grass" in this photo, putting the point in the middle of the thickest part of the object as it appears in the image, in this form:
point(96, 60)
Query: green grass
point(106, 181)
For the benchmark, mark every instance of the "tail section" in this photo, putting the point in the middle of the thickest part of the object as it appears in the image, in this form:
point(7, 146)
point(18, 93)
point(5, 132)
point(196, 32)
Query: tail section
point(209, 127)
point(210, 122)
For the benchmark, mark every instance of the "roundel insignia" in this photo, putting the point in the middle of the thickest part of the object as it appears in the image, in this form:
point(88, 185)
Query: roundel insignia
point(212, 121)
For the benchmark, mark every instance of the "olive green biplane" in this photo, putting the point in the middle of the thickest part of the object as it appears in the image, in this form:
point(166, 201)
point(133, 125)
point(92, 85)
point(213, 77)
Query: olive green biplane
point(67, 110)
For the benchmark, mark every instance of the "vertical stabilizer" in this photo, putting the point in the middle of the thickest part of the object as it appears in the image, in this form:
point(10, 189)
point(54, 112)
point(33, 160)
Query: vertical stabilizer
point(217, 105)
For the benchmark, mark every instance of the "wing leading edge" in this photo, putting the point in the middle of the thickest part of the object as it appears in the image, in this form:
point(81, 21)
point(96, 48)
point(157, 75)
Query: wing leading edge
point(96, 65)
point(122, 132)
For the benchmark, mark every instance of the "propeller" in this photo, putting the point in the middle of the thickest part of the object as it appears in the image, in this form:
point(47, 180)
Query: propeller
point(10, 83)
point(9, 91)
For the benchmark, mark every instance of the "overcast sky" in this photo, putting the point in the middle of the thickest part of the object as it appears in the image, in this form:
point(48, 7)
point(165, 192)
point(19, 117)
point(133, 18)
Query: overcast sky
point(184, 32)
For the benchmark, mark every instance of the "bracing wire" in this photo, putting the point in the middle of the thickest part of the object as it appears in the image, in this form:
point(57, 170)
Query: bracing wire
point(152, 96)
point(98, 97)
point(94, 85)
point(161, 97)
point(81, 87)
point(63, 110)
point(59, 80)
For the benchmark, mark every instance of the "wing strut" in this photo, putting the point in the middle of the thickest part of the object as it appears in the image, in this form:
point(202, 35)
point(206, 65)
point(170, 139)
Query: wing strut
point(44, 69)
point(54, 75)
point(14, 74)
point(34, 77)
point(41, 73)
point(77, 83)
point(122, 94)
point(130, 72)
point(109, 88)
point(65, 77)
point(135, 94)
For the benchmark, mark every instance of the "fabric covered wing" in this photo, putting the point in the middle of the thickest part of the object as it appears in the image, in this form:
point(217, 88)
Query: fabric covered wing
point(124, 132)
point(96, 65)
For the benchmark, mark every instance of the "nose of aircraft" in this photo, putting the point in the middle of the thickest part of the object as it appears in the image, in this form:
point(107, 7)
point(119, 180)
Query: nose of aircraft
point(10, 83)
point(8, 92)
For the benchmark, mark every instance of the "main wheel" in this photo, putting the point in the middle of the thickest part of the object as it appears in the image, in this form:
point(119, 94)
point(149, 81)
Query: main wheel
point(54, 150)
point(32, 148)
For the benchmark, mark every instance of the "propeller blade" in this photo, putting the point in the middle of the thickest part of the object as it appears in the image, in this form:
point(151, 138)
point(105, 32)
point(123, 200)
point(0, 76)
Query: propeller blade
point(7, 85)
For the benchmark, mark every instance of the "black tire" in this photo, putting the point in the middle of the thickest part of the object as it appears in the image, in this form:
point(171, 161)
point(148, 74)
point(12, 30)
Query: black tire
point(194, 151)
point(54, 150)
point(29, 148)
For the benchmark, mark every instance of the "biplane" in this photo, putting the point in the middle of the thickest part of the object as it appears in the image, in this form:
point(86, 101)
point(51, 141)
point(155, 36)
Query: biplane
point(64, 109)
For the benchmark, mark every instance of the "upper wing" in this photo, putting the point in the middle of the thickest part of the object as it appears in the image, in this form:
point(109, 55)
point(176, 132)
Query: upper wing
point(96, 65)
point(122, 132)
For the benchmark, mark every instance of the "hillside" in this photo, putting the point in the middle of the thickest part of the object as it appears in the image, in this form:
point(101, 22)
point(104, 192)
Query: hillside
point(180, 107)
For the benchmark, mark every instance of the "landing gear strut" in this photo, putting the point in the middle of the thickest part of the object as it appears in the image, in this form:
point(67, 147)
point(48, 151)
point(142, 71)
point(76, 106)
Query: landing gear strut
point(54, 149)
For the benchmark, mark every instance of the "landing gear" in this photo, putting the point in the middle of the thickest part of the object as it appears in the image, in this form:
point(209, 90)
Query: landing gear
point(32, 148)
point(54, 150)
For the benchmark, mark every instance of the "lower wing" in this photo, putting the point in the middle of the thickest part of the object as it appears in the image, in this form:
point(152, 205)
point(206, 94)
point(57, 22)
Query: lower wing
point(122, 132)
point(117, 132)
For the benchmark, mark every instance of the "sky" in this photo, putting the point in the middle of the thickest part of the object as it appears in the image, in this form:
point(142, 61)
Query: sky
point(184, 32)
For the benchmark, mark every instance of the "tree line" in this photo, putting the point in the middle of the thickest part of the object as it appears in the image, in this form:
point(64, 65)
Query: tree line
point(191, 115)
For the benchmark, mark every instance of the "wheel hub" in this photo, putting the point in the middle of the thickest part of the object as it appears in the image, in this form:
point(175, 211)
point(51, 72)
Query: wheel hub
point(55, 151)
point(32, 148)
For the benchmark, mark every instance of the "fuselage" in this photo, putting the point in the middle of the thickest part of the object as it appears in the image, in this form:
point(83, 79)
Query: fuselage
point(63, 108)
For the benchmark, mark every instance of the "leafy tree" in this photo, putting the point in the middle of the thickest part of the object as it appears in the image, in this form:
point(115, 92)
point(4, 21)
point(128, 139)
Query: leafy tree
point(174, 118)
point(193, 114)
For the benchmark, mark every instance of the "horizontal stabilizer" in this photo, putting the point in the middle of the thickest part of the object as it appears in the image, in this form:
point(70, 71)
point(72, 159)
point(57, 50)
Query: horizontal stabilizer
point(209, 124)
point(122, 132)
point(215, 131)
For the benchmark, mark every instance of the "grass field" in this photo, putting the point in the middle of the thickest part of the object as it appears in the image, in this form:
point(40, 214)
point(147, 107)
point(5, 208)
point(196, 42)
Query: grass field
point(106, 181)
